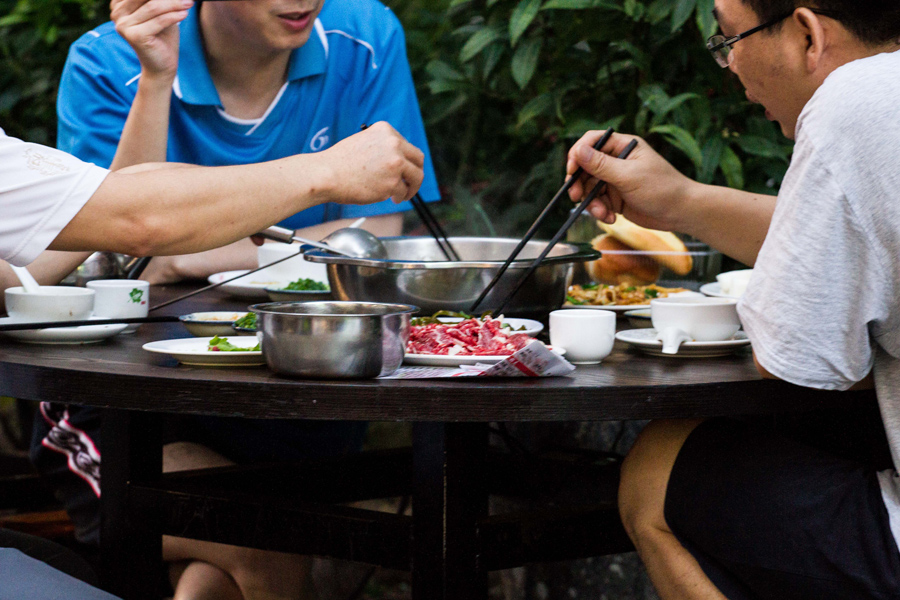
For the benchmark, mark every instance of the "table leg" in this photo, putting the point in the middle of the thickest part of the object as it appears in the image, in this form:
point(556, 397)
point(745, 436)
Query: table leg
point(449, 497)
point(130, 545)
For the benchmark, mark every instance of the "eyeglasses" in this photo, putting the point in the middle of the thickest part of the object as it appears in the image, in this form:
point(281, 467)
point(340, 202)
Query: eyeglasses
point(720, 46)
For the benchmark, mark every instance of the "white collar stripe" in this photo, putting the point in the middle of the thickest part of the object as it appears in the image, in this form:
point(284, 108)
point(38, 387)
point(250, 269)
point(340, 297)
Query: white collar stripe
point(367, 45)
point(321, 31)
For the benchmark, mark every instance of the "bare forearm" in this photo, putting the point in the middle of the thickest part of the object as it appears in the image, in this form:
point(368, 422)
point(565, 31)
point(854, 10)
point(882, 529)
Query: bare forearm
point(732, 221)
point(170, 269)
point(186, 210)
point(155, 210)
point(242, 254)
point(145, 135)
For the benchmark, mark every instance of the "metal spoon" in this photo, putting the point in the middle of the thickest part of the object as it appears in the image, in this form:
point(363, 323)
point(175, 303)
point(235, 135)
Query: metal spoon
point(349, 241)
point(358, 242)
point(28, 282)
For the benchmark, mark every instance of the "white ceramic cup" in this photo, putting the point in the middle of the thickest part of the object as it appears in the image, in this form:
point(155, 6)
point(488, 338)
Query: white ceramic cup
point(587, 335)
point(734, 283)
point(121, 299)
point(51, 303)
point(289, 270)
point(683, 319)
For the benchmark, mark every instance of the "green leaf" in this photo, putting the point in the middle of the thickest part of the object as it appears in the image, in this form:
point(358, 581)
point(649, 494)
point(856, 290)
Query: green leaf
point(525, 60)
point(492, 55)
point(667, 106)
point(455, 3)
point(441, 70)
point(732, 168)
point(581, 126)
point(682, 140)
point(633, 9)
point(760, 146)
point(535, 107)
point(683, 11)
point(521, 18)
point(580, 4)
point(477, 43)
point(13, 19)
point(706, 22)
point(712, 155)
point(659, 10)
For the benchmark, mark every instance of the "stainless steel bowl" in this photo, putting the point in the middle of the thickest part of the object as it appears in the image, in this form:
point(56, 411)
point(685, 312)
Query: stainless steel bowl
point(333, 340)
point(416, 272)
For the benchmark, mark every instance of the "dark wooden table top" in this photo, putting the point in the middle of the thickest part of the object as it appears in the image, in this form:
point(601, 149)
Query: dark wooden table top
point(118, 373)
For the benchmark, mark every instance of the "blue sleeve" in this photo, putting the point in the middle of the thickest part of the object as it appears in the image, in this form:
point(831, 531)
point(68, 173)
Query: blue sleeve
point(92, 106)
point(388, 94)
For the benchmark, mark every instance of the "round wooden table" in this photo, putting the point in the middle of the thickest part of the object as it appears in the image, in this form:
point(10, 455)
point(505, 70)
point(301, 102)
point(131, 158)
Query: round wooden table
point(451, 542)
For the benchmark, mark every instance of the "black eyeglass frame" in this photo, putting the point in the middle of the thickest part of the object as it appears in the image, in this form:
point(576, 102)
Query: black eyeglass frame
point(713, 48)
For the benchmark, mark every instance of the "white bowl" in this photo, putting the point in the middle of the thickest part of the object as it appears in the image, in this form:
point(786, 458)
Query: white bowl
point(289, 270)
point(734, 283)
point(51, 303)
point(702, 319)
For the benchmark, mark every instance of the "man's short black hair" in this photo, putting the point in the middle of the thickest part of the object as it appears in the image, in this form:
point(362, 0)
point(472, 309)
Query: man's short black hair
point(875, 22)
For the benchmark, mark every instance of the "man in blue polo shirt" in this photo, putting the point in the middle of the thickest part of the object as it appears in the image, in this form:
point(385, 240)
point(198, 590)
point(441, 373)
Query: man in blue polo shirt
point(216, 84)
point(249, 82)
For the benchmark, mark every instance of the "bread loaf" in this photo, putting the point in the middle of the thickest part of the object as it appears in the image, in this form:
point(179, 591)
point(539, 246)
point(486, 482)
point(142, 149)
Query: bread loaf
point(615, 269)
point(651, 240)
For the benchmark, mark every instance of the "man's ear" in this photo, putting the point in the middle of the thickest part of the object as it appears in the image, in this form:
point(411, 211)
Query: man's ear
point(811, 27)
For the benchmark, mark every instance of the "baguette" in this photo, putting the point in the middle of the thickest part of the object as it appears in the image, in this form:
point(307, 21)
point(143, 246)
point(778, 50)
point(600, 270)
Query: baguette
point(615, 269)
point(651, 240)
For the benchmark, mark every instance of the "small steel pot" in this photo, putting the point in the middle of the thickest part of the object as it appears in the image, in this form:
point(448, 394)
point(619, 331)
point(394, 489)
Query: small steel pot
point(333, 340)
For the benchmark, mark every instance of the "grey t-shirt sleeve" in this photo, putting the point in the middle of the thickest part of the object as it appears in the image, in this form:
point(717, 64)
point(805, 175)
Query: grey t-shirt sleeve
point(817, 286)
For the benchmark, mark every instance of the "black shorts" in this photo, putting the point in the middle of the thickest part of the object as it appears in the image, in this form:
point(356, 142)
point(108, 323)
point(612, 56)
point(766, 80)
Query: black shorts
point(781, 511)
point(65, 449)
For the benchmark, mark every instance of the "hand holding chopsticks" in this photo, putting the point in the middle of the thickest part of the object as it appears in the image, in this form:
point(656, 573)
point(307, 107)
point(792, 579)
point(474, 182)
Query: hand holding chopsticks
point(539, 221)
point(562, 230)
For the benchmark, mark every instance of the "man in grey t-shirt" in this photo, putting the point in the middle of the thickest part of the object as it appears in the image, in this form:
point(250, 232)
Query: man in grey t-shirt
point(732, 509)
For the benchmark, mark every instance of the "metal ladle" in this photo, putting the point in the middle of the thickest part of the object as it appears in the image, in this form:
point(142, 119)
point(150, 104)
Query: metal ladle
point(349, 241)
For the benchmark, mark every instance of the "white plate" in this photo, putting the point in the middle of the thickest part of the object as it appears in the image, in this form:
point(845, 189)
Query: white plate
point(645, 339)
point(250, 287)
point(532, 328)
point(621, 308)
point(208, 324)
point(442, 360)
point(714, 289)
point(86, 334)
point(195, 351)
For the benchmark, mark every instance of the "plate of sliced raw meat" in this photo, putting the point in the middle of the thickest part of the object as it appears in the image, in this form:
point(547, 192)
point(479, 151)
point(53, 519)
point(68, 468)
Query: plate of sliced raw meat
point(465, 342)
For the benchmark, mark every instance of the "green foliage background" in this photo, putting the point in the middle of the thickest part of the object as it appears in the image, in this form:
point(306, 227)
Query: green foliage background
point(505, 87)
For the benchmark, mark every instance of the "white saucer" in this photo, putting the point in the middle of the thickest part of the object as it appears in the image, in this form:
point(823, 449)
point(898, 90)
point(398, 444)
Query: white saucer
point(85, 334)
point(645, 339)
point(195, 351)
point(246, 287)
point(714, 290)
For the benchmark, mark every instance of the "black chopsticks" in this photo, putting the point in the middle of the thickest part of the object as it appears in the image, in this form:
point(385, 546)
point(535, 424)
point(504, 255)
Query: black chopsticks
point(434, 227)
point(60, 324)
point(562, 231)
point(538, 222)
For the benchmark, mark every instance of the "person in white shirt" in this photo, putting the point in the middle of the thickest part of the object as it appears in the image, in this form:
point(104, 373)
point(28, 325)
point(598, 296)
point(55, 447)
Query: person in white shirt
point(53, 200)
point(747, 509)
